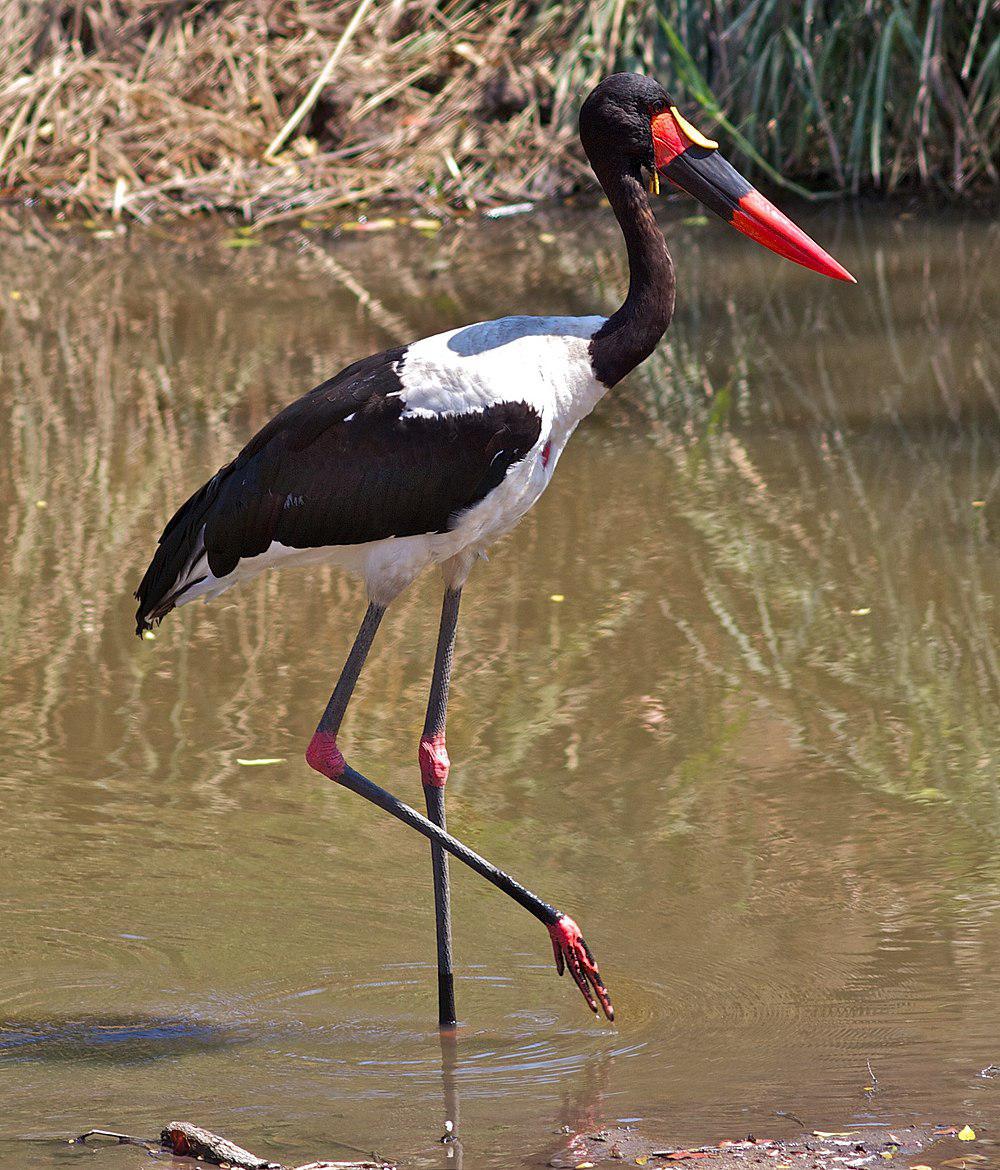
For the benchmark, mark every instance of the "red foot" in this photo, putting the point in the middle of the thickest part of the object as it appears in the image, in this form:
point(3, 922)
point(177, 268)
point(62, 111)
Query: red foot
point(324, 755)
point(434, 762)
point(571, 950)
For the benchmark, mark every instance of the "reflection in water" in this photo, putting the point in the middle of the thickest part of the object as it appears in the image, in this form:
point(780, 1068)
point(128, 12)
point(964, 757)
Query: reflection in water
point(452, 1138)
point(754, 750)
point(123, 1040)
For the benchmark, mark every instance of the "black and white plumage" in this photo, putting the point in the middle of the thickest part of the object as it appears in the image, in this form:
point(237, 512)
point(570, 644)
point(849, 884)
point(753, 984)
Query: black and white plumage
point(421, 455)
point(426, 454)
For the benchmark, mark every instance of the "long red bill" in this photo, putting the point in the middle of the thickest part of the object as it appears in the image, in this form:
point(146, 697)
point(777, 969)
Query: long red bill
point(692, 162)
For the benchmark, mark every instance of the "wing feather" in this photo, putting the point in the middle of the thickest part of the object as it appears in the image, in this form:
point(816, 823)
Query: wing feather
point(342, 465)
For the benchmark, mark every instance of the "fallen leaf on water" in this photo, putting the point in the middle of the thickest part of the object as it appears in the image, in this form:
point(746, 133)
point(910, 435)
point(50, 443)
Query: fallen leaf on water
point(557, 597)
point(863, 612)
point(695, 220)
point(641, 1160)
point(508, 209)
point(584, 1165)
point(966, 1134)
point(921, 1166)
point(979, 503)
point(369, 225)
point(945, 1130)
point(261, 762)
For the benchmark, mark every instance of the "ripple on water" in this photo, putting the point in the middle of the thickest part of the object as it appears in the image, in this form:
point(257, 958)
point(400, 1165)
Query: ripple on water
point(392, 1041)
point(838, 1013)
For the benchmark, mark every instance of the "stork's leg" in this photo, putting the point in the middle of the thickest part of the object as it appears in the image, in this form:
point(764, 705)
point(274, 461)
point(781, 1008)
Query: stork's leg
point(434, 766)
point(568, 943)
point(323, 753)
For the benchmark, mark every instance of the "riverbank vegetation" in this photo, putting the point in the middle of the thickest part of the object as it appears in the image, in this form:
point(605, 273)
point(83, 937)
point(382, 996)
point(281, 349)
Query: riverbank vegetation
point(284, 108)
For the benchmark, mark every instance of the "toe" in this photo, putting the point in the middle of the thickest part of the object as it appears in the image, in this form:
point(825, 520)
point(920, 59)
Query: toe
point(571, 950)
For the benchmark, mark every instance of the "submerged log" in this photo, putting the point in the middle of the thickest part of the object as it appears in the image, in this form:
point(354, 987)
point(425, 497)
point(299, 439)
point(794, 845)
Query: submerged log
point(191, 1141)
point(194, 1142)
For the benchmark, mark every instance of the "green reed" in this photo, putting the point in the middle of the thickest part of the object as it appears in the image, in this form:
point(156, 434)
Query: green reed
point(879, 94)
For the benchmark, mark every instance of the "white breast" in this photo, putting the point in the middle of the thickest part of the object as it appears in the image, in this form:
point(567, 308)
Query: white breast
point(541, 361)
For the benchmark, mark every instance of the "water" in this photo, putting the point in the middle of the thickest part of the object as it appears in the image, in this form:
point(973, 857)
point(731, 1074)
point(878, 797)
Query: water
point(755, 749)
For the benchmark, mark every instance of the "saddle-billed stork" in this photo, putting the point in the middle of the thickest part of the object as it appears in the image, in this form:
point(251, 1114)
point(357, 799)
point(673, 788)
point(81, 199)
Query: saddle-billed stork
point(427, 453)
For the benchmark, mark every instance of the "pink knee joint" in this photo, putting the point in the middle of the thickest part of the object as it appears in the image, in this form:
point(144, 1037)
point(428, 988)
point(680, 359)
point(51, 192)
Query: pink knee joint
point(434, 762)
point(324, 755)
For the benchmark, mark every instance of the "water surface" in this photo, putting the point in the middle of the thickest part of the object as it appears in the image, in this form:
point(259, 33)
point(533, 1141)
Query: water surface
point(754, 748)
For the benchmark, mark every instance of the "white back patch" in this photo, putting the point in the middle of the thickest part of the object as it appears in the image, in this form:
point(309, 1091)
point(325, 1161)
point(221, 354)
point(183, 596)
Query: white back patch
point(541, 361)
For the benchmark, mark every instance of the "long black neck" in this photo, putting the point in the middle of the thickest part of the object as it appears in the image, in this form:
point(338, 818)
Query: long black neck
point(631, 334)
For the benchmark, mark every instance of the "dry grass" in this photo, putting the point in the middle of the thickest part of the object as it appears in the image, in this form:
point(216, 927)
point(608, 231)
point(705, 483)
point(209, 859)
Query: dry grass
point(146, 106)
point(172, 104)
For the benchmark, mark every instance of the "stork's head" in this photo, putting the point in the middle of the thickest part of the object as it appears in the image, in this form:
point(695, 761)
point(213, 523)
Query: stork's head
point(630, 122)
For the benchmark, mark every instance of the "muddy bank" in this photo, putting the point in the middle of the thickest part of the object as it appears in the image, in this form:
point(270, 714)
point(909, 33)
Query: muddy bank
point(853, 1148)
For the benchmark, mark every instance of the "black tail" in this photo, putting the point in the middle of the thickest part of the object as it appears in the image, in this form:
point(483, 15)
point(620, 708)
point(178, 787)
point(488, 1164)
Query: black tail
point(170, 571)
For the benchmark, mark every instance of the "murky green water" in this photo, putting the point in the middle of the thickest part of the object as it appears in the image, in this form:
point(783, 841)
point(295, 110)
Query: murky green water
point(755, 750)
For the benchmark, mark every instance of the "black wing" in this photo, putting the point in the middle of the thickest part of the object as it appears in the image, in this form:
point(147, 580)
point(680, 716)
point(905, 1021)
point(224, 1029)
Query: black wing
point(340, 466)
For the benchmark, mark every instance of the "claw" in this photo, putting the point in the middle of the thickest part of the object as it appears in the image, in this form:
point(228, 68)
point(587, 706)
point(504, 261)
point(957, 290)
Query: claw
point(571, 950)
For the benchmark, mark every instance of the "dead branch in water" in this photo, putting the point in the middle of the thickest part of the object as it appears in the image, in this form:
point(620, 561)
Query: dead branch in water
point(191, 1141)
point(194, 1142)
